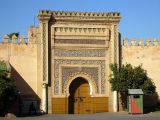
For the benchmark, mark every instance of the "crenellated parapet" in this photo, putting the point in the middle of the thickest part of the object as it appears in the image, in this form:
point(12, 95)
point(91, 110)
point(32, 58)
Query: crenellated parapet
point(141, 42)
point(85, 14)
point(79, 16)
point(16, 43)
point(13, 40)
point(16, 48)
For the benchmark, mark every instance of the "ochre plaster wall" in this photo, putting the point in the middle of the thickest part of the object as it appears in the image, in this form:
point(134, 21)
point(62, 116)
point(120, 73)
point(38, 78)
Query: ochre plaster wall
point(23, 61)
point(147, 55)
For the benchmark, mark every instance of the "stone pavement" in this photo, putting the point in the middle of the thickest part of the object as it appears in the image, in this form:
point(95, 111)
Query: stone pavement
point(97, 116)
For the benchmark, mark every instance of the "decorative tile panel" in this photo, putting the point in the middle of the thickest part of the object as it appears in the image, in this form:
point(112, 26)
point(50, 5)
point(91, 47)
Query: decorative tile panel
point(80, 41)
point(79, 53)
point(44, 53)
point(67, 71)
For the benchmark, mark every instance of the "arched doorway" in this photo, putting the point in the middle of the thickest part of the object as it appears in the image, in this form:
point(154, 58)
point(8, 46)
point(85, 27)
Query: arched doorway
point(79, 99)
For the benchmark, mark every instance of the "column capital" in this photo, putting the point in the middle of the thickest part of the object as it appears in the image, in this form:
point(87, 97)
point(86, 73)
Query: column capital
point(44, 17)
point(44, 85)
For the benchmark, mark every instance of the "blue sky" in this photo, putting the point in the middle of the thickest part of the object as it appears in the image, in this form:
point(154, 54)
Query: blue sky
point(140, 18)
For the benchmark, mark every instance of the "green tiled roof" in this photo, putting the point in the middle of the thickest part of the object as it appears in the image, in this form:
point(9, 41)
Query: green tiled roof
point(135, 92)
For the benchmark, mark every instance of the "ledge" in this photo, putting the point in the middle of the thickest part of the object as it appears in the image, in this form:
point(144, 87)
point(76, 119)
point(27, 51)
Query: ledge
point(111, 16)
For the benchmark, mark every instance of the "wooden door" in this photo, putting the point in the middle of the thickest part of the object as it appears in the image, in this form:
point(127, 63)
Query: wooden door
point(80, 100)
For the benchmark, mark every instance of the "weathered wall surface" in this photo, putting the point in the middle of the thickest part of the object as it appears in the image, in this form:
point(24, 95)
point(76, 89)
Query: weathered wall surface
point(148, 55)
point(23, 61)
point(4, 51)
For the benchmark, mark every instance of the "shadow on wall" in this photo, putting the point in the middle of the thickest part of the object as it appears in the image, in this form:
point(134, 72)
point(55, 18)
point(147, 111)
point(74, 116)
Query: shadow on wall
point(27, 96)
point(151, 103)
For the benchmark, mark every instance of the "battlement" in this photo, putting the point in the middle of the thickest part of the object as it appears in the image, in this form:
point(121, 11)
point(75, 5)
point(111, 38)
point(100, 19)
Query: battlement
point(85, 14)
point(79, 16)
point(141, 42)
point(13, 40)
point(12, 48)
point(16, 44)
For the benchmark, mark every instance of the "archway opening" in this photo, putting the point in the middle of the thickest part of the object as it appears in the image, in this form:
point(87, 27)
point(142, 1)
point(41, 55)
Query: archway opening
point(79, 99)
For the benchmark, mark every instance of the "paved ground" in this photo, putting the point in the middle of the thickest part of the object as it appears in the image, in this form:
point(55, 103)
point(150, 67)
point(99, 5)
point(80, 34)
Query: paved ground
point(98, 116)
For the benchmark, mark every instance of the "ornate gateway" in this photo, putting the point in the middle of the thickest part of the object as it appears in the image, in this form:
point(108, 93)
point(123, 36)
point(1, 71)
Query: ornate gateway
point(76, 50)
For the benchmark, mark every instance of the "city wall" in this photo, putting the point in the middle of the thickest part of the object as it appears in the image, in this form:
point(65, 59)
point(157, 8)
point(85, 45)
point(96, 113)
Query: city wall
point(23, 60)
point(147, 53)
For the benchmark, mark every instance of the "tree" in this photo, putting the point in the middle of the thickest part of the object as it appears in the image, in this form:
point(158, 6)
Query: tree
point(126, 77)
point(14, 33)
point(7, 88)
